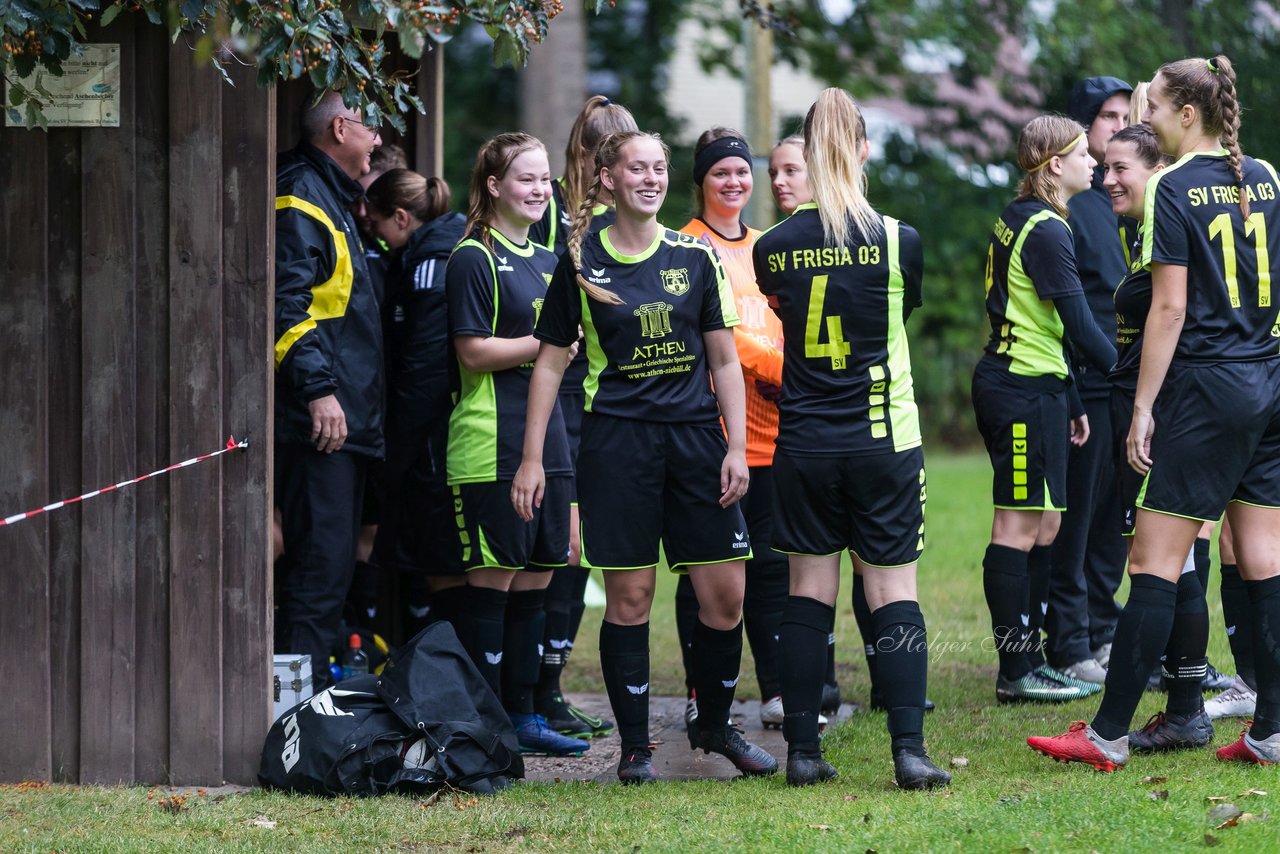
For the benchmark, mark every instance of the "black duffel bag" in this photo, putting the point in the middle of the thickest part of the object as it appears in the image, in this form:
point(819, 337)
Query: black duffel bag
point(428, 721)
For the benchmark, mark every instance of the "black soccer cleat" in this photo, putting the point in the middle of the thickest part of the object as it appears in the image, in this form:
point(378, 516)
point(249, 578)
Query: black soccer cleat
point(805, 767)
point(636, 766)
point(1172, 732)
point(748, 758)
point(567, 719)
point(917, 772)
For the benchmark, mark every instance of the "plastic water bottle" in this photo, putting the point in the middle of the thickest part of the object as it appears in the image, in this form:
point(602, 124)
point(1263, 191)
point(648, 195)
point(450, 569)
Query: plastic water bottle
point(355, 662)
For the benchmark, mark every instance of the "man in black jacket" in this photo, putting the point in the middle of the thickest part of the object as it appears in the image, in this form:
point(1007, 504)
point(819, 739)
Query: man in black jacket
point(1089, 553)
point(329, 375)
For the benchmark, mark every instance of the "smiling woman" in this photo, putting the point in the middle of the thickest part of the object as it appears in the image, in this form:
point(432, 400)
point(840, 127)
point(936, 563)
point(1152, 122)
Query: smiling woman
point(654, 466)
point(722, 189)
point(495, 282)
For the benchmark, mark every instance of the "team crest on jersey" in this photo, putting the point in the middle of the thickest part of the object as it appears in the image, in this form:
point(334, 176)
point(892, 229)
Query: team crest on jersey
point(676, 282)
point(537, 310)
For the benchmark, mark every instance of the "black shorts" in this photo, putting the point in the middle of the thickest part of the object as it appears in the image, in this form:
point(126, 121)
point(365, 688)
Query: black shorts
point(1027, 434)
point(572, 402)
point(871, 505)
point(1128, 481)
point(492, 535)
point(641, 483)
point(1217, 439)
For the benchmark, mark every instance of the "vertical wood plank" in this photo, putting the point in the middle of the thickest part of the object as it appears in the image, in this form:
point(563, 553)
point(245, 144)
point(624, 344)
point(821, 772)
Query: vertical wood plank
point(248, 225)
point(197, 421)
point(24, 482)
point(151, 759)
point(428, 136)
point(108, 341)
point(65, 427)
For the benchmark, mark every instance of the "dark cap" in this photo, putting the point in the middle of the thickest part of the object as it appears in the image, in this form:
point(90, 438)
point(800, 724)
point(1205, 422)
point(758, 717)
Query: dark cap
point(1089, 95)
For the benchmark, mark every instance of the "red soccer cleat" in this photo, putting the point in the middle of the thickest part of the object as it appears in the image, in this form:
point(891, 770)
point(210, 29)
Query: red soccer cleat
point(1081, 744)
point(1248, 749)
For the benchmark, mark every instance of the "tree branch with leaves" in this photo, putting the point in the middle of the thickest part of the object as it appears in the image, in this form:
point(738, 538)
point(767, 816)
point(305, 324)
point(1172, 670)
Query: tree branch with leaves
point(343, 46)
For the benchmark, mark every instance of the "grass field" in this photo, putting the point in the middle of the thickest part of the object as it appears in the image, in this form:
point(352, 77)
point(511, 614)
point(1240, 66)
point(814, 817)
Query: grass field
point(1004, 797)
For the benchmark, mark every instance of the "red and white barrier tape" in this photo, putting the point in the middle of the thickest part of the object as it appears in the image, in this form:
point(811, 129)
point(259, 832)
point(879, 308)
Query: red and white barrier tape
point(232, 445)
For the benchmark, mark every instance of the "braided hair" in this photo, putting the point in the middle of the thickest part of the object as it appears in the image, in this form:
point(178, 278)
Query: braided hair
point(607, 155)
point(1209, 85)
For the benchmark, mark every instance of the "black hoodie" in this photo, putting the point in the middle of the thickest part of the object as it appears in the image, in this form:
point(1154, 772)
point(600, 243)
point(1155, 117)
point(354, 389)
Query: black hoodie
point(419, 363)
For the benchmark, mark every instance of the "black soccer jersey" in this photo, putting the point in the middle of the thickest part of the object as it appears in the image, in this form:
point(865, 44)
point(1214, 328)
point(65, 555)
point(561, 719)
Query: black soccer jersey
point(1133, 301)
point(846, 370)
point(645, 358)
point(497, 293)
point(1030, 263)
point(1193, 220)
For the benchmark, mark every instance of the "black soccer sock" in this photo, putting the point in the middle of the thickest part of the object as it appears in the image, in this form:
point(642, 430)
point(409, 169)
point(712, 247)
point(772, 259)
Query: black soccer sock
point(762, 607)
point(1005, 584)
point(1142, 633)
point(1264, 606)
point(902, 653)
point(1200, 559)
point(447, 603)
point(624, 658)
point(578, 577)
point(802, 643)
point(482, 637)
point(862, 616)
point(1184, 659)
point(526, 618)
point(555, 637)
point(717, 661)
point(686, 619)
point(1235, 613)
point(1039, 565)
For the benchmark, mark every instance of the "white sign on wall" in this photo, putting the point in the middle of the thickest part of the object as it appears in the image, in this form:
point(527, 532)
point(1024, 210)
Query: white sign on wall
point(87, 95)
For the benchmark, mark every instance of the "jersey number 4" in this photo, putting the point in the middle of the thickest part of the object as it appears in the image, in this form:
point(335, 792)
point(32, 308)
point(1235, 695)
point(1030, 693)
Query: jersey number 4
point(1256, 227)
point(836, 347)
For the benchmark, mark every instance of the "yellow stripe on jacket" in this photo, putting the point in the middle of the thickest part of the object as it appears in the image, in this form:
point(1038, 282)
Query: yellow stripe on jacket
point(329, 298)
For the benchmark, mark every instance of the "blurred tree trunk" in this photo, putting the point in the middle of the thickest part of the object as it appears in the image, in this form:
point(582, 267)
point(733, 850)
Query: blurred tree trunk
point(553, 84)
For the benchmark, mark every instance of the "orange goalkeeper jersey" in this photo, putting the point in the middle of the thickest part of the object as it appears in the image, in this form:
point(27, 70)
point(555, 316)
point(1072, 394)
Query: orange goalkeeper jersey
point(758, 338)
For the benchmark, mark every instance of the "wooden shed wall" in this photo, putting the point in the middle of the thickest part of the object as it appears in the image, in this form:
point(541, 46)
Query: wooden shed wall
point(136, 306)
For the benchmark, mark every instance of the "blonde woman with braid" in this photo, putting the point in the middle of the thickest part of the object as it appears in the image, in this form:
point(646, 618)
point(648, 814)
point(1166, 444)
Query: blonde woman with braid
point(1023, 398)
point(1206, 412)
point(653, 465)
point(843, 278)
point(599, 118)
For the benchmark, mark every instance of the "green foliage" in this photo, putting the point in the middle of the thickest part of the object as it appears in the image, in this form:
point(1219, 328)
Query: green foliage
point(342, 46)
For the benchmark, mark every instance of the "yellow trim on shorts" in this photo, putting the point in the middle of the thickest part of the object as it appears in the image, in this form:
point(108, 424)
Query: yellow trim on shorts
point(682, 568)
point(1170, 513)
point(854, 554)
point(1248, 504)
point(810, 554)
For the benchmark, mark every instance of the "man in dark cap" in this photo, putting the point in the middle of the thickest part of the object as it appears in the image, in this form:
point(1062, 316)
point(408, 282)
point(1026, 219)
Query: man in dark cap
point(1088, 556)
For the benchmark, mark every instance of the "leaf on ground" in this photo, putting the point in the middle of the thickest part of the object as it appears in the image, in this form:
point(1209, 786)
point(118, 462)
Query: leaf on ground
point(1159, 795)
point(1223, 813)
point(430, 801)
point(1252, 792)
point(517, 832)
point(850, 797)
point(1231, 822)
point(959, 762)
point(1153, 781)
point(1011, 799)
point(819, 827)
point(263, 822)
point(1248, 816)
point(1023, 850)
point(1217, 799)
point(1211, 840)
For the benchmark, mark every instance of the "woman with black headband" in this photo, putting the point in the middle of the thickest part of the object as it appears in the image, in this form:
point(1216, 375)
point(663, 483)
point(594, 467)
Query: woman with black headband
point(722, 185)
